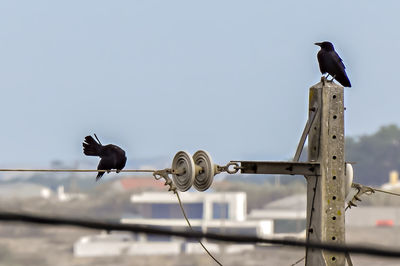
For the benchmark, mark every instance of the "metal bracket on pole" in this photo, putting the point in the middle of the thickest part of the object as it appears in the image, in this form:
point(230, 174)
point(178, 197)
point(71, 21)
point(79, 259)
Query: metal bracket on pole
point(282, 168)
point(313, 114)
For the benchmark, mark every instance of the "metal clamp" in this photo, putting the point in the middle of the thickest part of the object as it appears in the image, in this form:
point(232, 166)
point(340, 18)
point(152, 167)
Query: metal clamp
point(227, 168)
point(164, 174)
point(360, 190)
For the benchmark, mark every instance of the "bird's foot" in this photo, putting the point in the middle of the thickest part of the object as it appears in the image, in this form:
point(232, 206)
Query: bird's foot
point(323, 80)
point(108, 171)
point(118, 170)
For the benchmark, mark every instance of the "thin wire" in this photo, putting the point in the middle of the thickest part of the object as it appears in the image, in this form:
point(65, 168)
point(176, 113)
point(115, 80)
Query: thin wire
point(310, 221)
point(148, 229)
point(78, 170)
point(387, 192)
point(347, 254)
point(191, 228)
point(311, 212)
point(297, 262)
point(366, 190)
point(168, 182)
point(347, 207)
point(348, 259)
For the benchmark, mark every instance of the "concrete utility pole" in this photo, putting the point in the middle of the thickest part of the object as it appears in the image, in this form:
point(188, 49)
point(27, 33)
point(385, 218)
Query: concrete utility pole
point(326, 192)
point(324, 171)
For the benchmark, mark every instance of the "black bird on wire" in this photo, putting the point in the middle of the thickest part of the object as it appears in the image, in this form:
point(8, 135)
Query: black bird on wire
point(112, 156)
point(331, 63)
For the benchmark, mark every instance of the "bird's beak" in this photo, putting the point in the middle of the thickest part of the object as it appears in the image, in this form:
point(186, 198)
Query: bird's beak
point(318, 43)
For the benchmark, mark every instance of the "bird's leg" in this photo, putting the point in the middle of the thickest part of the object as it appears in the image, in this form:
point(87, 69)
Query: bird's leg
point(324, 78)
point(118, 170)
point(108, 171)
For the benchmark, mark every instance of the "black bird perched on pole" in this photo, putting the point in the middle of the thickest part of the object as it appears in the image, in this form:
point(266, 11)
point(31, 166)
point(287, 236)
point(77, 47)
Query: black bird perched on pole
point(331, 63)
point(112, 156)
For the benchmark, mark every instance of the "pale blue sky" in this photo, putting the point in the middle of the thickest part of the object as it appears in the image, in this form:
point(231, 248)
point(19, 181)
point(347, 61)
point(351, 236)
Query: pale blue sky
point(155, 77)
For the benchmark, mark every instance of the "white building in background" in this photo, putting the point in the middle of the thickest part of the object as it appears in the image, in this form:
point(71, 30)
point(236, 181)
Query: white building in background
point(207, 212)
point(24, 190)
point(198, 206)
point(122, 244)
point(63, 196)
point(394, 183)
point(288, 215)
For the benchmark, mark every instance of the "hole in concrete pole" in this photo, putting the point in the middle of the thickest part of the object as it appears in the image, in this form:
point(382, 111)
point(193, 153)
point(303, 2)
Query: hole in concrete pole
point(334, 96)
point(334, 218)
point(334, 197)
point(334, 157)
point(333, 258)
point(335, 116)
point(334, 136)
point(334, 177)
point(333, 238)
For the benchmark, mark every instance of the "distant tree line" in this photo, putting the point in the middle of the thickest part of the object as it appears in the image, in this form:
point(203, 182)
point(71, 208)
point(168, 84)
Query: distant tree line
point(375, 155)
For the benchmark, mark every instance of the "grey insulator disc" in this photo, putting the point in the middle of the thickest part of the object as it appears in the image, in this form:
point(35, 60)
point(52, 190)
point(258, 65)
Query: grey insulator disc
point(183, 163)
point(204, 179)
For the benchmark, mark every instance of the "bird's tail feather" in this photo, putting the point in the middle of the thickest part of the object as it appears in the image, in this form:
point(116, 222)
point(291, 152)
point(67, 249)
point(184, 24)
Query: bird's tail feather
point(343, 79)
point(99, 175)
point(91, 147)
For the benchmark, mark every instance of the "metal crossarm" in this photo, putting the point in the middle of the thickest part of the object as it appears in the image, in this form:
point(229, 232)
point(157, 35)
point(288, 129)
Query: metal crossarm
point(282, 168)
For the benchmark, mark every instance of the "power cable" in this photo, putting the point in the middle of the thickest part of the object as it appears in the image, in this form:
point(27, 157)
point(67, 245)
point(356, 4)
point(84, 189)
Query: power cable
point(103, 225)
point(156, 173)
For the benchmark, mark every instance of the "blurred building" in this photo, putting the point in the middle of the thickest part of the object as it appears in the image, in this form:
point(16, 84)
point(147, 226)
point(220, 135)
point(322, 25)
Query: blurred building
point(64, 196)
point(393, 181)
point(24, 190)
point(207, 212)
point(288, 215)
point(138, 183)
point(121, 244)
point(370, 216)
